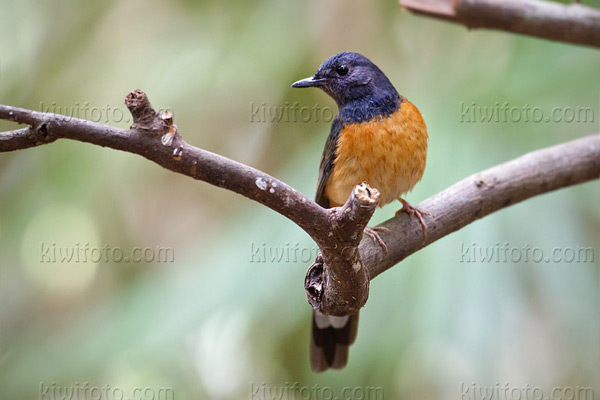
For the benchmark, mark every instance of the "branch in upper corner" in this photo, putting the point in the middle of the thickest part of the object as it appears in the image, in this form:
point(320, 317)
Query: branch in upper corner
point(572, 23)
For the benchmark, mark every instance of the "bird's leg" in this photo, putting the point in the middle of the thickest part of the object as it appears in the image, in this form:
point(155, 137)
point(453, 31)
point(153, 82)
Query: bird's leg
point(410, 210)
point(372, 232)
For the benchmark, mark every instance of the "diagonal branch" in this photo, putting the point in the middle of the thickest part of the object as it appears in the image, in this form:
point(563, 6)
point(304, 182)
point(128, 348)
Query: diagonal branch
point(485, 192)
point(178, 156)
point(572, 23)
point(338, 282)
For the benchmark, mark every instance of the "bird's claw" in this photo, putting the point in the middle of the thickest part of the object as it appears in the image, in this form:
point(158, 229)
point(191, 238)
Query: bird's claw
point(372, 232)
point(411, 210)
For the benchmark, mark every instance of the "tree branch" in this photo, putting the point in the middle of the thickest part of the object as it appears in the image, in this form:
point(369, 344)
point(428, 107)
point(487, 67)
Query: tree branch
point(572, 23)
point(336, 231)
point(485, 192)
point(338, 282)
point(145, 139)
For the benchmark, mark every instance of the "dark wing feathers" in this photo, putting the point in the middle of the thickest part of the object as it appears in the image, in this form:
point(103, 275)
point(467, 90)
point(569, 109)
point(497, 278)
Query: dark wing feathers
point(327, 162)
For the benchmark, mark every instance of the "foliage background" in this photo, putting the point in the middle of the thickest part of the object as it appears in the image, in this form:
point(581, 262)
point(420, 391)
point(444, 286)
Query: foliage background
point(217, 321)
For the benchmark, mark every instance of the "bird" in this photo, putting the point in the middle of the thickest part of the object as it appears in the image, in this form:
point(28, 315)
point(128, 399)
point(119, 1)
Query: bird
point(378, 137)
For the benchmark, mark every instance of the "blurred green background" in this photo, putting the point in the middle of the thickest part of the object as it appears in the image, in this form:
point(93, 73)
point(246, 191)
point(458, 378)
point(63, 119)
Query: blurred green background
point(219, 320)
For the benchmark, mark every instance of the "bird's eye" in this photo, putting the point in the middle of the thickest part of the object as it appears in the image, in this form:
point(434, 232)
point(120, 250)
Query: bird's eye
point(342, 69)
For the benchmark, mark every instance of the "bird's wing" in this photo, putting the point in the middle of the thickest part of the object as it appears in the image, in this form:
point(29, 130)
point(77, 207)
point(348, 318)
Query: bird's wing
point(327, 162)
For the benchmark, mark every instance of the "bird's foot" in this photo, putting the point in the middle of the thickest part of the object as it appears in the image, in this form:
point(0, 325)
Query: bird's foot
point(372, 232)
point(411, 210)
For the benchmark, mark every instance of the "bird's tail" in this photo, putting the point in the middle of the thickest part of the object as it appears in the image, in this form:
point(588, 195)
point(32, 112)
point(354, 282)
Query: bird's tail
point(330, 339)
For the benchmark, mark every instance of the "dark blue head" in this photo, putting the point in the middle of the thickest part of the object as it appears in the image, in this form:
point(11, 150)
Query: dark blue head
point(350, 77)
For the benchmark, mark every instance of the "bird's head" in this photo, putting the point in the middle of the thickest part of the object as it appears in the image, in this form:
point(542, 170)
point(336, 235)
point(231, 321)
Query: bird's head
point(348, 77)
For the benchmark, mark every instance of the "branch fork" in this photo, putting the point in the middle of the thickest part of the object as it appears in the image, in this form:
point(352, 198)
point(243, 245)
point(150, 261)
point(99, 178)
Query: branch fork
point(338, 282)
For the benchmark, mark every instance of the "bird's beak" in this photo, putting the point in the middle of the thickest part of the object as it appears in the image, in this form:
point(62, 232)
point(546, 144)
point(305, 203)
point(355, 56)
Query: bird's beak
point(309, 82)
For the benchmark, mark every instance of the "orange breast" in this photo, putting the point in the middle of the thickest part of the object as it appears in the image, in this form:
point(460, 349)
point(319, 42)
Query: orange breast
point(388, 153)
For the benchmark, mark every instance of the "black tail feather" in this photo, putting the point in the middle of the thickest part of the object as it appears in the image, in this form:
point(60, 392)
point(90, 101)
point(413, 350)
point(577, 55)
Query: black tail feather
point(330, 340)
